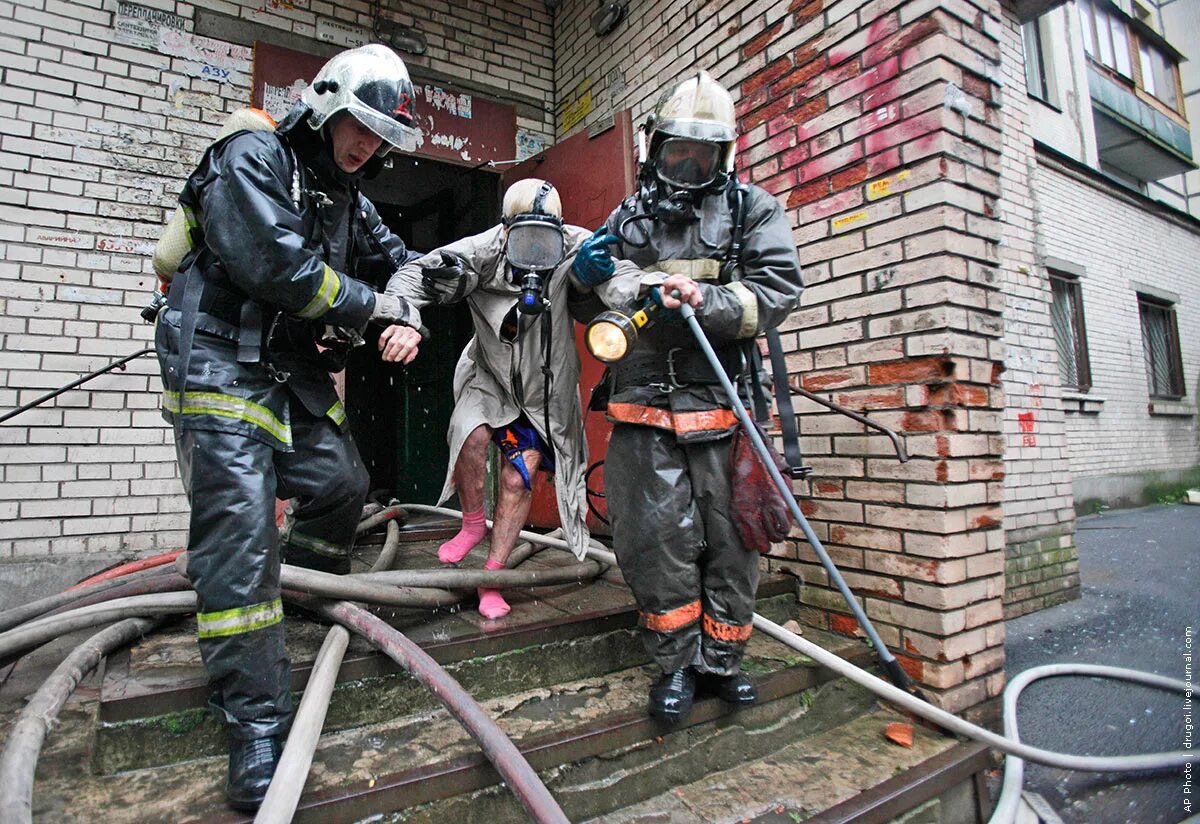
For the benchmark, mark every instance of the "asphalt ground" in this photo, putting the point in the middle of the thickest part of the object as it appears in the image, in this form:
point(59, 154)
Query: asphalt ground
point(1140, 575)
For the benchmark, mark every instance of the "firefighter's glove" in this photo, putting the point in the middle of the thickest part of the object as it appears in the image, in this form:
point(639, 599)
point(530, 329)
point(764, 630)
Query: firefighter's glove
point(665, 315)
point(593, 262)
point(760, 513)
point(388, 309)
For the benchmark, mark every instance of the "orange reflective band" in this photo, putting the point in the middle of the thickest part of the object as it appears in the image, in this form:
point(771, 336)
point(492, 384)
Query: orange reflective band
point(710, 420)
point(673, 620)
point(726, 632)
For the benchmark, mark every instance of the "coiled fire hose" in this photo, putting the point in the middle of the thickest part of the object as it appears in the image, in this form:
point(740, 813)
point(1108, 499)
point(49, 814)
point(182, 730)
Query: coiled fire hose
point(150, 589)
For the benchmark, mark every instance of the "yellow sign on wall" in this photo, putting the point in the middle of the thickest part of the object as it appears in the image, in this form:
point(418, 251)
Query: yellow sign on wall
point(579, 108)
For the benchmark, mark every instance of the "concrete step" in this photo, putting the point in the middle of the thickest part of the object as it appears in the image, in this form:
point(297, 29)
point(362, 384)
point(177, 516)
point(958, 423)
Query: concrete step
point(589, 738)
point(152, 702)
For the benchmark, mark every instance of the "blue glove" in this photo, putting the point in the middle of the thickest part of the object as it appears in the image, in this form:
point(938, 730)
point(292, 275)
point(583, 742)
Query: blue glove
point(664, 314)
point(593, 262)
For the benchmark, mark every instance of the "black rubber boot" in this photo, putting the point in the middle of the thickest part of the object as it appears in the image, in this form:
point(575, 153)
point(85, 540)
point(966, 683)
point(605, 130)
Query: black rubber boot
point(252, 763)
point(671, 698)
point(733, 689)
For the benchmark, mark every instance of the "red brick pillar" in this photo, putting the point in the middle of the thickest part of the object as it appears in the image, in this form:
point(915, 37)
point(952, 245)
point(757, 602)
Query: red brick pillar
point(877, 126)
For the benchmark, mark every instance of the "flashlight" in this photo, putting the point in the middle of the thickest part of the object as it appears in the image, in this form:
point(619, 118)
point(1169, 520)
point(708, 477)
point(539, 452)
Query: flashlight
point(611, 334)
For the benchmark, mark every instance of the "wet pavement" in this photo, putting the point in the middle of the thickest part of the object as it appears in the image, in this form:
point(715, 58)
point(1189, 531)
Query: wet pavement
point(1139, 571)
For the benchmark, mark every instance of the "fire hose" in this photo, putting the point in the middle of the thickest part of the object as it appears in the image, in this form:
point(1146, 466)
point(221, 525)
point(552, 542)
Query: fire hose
point(900, 692)
point(162, 592)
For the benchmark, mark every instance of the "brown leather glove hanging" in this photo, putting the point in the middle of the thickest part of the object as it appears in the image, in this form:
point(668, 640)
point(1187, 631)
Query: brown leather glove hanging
point(760, 512)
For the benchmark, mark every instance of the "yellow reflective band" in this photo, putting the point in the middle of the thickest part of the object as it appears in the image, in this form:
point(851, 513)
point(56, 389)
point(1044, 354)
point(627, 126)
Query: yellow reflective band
point(336, 413)
point(228, 406)
point(239, 620)
point(749, 325)
point(702, 269)
point(314, 545)
point(322, 302)
point(189, 217)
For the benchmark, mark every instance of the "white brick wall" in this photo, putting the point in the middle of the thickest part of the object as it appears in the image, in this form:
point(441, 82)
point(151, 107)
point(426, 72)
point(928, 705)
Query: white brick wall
point(1037, 494)
point(1121, 244)
point(96, 137)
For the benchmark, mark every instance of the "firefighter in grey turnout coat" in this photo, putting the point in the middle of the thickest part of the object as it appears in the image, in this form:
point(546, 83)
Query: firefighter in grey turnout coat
point(667, 470)
point(280, 233)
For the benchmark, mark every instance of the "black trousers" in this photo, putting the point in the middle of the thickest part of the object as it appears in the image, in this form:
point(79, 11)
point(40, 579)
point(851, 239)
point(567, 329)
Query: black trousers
point(678, 548)
point(232, 482)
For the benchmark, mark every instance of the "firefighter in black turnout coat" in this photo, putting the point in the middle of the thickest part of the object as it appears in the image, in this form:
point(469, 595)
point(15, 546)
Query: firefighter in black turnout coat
point(726, 249)
point(283, 248)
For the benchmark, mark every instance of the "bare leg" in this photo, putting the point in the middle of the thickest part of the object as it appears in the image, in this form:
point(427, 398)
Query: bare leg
point(469, 472)
point(511, 511)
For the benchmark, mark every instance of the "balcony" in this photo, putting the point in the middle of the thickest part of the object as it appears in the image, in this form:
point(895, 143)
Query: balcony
point(1133, 136)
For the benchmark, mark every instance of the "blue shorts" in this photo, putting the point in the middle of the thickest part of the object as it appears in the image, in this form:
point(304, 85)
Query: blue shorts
point(514, 439)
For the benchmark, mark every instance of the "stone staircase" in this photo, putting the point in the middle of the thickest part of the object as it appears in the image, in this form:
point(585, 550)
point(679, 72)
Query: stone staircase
point(564, 676)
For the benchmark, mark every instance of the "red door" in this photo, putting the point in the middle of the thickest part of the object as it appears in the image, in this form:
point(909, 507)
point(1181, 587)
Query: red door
point(592, 175)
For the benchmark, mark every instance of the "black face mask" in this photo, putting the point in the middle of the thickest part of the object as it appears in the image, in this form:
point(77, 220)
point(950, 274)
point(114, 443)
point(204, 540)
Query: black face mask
point(676, 208)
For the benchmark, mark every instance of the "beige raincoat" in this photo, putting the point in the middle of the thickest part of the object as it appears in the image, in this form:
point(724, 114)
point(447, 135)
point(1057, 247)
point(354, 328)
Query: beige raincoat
point(495, 382)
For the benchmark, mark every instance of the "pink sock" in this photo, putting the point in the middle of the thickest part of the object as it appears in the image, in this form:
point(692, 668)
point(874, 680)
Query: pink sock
point(474, 529)
point(491, 603)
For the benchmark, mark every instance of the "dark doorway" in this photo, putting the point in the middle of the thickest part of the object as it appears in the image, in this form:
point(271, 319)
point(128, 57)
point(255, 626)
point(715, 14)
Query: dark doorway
point(399, 414)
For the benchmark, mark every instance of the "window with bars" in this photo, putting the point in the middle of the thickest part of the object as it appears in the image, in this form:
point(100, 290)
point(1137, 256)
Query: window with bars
point(1160, 344)
point(1066, 315)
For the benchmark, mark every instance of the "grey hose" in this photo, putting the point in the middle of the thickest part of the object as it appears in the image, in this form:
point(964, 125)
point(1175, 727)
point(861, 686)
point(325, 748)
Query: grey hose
point(895, 672)
point(1014, 768)
point(391, 545)
point(47, 629)
point(18, 615)
point(19, 761)
point(283, 796)
point(498, 748)
point(910, 703)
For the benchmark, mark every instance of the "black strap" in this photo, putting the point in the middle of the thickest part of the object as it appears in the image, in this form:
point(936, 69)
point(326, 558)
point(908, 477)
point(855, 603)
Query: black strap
point(787, 414)
point(547, 338)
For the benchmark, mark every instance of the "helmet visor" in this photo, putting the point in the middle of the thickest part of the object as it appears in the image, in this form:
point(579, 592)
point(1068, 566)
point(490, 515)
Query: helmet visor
point(394, 135)
point(535, 243)
point(688, 164)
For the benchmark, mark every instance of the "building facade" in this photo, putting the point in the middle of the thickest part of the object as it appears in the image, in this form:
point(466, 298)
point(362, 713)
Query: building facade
point(930, 195)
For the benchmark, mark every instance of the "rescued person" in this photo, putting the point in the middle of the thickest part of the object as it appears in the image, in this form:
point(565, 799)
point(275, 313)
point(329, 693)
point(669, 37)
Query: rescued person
point(516, 383)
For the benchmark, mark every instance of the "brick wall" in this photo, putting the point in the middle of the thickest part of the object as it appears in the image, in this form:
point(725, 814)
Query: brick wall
point(1116, 435)
point(96, 136)
point(875, 126)
point(1038, 506)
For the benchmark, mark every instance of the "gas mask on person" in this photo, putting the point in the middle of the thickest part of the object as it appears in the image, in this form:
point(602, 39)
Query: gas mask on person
point(534, 248)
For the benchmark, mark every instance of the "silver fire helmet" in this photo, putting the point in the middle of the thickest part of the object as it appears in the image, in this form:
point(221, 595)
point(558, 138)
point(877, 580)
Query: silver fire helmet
point(693, 133)
point(371, 83)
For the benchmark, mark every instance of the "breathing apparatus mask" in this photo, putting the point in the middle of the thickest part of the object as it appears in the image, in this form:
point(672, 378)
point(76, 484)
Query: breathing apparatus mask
point(685, 152)
point(534, 248)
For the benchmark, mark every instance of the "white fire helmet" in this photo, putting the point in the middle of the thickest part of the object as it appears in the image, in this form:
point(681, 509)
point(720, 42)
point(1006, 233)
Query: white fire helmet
point(371, 83)
point(693, 134)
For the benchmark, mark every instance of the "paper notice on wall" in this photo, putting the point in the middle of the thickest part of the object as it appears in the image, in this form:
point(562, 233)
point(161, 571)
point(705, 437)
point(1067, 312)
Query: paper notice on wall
point(139, 26)
point(205, 57)
point(529, 144)
point(278, 100)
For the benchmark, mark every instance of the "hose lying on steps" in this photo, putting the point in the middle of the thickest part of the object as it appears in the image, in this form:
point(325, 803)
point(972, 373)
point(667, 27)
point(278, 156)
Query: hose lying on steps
point(24, 744)
point(501, 751)
point(283, 796)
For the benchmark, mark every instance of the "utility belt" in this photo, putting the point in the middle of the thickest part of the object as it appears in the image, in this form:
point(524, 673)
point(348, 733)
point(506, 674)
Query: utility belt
point(677, 367)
